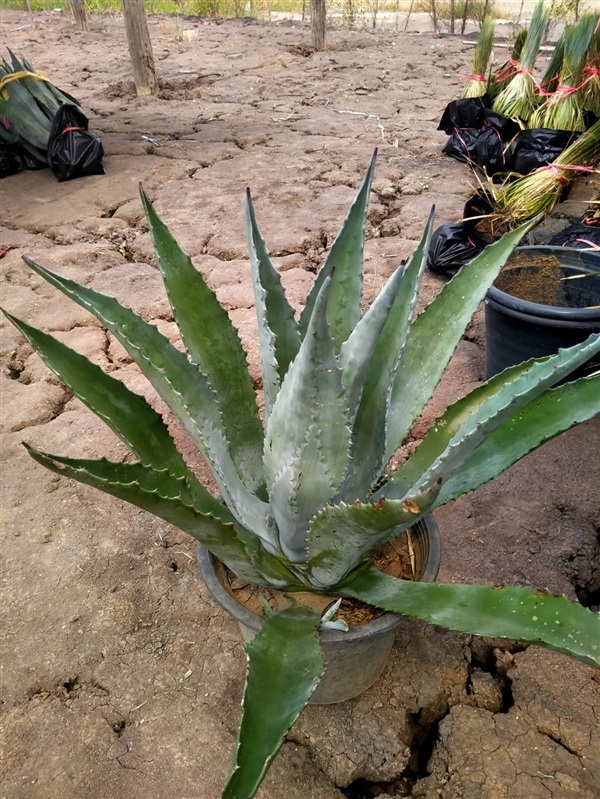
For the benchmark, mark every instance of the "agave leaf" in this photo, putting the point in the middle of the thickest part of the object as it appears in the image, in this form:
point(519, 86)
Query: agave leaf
point(29, 123)
point(435, 333)
point(369, 432)
point(441, 433)
point(62, 97)
point(279, 335)
point(284, 668)
point(308, 438)
point(513, 396)
point(342, 536)
point(516, 612)
point(540, 420)
point(176, 501)
point(213, 343)
point(40, 92)
point(345, 259)
point(470, 422)
point(8, 136)
point(127, 414)
point(185, 390)
point(364, 346)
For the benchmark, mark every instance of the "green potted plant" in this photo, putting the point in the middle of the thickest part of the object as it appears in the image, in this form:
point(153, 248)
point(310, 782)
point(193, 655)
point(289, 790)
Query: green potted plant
point(306, 498)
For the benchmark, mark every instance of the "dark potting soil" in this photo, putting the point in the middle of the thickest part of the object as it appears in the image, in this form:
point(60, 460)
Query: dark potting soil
point(395, 558)
point(543, 280)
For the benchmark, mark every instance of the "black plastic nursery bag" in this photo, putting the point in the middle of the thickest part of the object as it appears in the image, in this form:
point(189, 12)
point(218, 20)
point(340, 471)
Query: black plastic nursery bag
point(452, 246)
point(495, 143)
point(579, 236)
point(462, 145)
point(8, 163)
point(73, 151)
point(539, 147)
point(462, 120)
point(468, 112)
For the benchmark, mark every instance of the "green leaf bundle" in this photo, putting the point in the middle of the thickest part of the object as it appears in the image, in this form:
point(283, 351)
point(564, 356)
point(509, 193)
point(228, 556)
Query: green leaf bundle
point(523, 199)
point(501, 77)
point(563, 108)
point(29, 101)
point(518, 99)
point(591, 74)
point(477, 82)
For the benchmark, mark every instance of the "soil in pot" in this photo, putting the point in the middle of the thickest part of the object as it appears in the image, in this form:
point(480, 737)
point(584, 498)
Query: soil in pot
point(543, 279)
point(545, 299)
point(396, 558)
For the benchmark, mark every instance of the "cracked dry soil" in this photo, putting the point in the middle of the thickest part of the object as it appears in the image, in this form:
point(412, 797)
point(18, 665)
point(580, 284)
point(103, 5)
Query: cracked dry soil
point(121, 677)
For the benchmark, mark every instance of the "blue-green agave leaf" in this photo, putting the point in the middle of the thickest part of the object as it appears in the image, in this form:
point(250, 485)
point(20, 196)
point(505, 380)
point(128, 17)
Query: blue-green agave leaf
point(189, 507)
point(344, 263)
point(127, 414)
point(357, 352)
point(540, 420)
point(515, 612)
point(284, 668)
point(509, 399)
point(278, 331)
point(370, 426)
point(308, 437)
point(183, 387)
point(435, 334)
point(519, 386)
point(342, 536)
point(214, 345)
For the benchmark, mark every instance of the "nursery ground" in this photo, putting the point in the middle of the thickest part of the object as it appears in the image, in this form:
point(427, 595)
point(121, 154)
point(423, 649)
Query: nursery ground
point(121, 678)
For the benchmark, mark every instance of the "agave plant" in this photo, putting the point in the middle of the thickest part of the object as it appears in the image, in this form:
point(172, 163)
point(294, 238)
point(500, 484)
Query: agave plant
point(28, 103)
point(303, 503)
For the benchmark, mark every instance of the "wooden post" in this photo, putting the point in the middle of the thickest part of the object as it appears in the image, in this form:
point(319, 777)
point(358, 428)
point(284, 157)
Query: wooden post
point(140, 47)
point(318, 17)
point(79, 15)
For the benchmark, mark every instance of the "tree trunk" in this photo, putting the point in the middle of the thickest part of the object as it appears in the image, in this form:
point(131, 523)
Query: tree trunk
point(410, 10)
point(79, 15)
point(465, 16)
point(318, 17)
point(140, 47)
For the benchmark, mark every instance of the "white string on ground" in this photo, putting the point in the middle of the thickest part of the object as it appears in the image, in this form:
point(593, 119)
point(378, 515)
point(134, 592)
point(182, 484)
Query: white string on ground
point(360, 114)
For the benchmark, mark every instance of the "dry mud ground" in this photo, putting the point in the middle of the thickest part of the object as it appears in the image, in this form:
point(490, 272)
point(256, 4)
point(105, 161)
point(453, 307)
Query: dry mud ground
point(121, 677)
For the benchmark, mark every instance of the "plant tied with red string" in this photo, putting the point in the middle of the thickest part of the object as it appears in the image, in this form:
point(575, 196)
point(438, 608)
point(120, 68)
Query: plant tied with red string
point(518, 99)
point(527, 197)
point(477, 81)
point(563, 108)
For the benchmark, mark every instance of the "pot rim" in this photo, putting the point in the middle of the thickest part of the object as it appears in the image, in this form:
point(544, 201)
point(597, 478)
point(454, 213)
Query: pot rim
point(207, 566)
point(569, 257)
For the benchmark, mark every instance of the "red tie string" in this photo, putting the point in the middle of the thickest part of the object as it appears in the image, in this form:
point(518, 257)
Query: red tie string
point(481, 78)
point(554, 169)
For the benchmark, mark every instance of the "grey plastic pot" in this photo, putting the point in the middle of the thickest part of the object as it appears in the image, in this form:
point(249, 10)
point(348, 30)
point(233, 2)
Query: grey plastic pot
point(517, 329)
point(354, 659)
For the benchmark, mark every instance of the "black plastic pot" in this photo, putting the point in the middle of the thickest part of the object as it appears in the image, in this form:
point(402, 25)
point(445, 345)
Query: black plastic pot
point(517, 328)
point(354, 659)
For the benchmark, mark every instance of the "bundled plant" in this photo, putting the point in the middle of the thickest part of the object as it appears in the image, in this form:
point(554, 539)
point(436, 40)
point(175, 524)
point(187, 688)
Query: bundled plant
point(305, 505)
point(518, 98)
point(562, 109)
point(476, 85)
point(517, 201)
point(551, 76)
point(501, 77)
point(591, 90)
point(28, 102)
